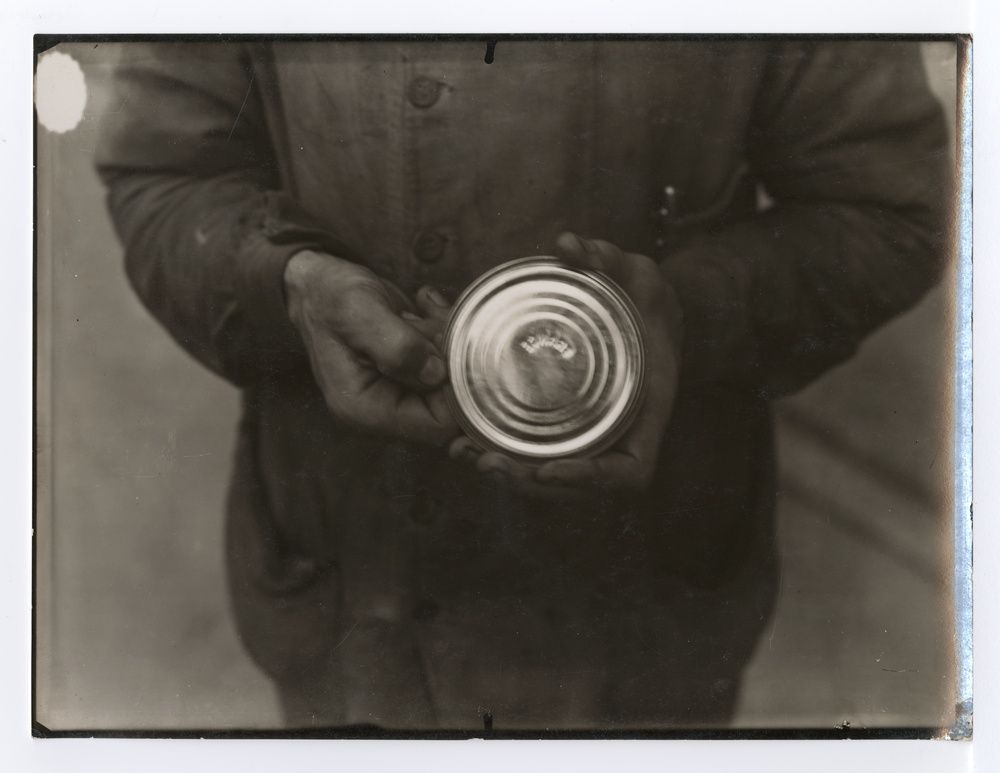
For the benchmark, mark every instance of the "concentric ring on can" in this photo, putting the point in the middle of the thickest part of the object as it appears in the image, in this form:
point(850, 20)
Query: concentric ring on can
point(546, 360)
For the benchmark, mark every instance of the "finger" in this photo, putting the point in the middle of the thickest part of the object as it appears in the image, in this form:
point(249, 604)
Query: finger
point(361, 398)
point(594, 254)
point(386, 408)
point(497, 464)
point(462, 449)
point(398, 300)
point(432, 304)
point(430, 328)
point(423, 417)
point(505, 471)
point(613, 470)
point(437, 310)
point(397, 349)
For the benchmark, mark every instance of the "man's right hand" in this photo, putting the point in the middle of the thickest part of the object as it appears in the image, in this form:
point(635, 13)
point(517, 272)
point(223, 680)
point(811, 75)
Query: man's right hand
point(374, 359)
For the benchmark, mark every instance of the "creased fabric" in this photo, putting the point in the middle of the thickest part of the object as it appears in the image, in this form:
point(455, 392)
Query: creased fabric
point(413, 592)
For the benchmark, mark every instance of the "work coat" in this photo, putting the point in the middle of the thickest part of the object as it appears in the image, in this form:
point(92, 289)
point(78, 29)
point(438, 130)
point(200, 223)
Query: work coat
point(792, 193)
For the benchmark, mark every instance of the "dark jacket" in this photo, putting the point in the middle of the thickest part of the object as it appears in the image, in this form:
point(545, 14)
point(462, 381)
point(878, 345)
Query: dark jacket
point(434, 595)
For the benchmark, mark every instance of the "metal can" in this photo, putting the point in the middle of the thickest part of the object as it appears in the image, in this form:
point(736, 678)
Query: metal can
point(546, 360)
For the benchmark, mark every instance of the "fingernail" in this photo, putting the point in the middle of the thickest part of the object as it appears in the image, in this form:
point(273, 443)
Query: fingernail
point(557, 475)
point(436, 298)
point(497, 475)
point(432, 372)
point(570, 239)
point(463, 449)
point(409, 316)
point(546, 476)
point(494, 465)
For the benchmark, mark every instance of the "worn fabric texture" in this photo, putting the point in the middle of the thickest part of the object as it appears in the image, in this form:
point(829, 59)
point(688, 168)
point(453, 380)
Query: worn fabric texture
point(380, 583)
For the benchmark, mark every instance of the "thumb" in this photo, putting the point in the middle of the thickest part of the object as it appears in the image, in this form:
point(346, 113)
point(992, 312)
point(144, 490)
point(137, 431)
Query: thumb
point(594, 254)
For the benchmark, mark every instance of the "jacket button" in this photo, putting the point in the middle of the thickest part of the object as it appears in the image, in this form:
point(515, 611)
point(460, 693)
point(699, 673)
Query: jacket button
point(423, 92)
point(429, 246)
point(425, 609)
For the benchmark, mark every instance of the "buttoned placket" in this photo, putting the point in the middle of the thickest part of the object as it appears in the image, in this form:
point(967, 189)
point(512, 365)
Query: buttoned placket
point(426, 245)
point(431, 242)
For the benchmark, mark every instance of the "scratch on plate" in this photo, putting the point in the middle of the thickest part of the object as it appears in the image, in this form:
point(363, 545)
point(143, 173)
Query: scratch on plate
point(349, 632)
point(245, 98)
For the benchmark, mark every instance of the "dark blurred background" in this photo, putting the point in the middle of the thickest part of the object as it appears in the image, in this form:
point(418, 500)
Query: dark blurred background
point(134, 449)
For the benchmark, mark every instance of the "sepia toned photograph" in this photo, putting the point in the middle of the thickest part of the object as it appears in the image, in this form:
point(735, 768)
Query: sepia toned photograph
point(526, 386)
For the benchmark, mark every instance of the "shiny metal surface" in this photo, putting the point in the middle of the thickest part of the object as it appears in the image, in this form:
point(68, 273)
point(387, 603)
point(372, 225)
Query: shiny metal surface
point(546, 360)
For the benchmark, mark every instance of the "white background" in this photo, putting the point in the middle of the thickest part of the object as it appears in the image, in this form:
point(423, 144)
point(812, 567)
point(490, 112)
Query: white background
point(20, 20)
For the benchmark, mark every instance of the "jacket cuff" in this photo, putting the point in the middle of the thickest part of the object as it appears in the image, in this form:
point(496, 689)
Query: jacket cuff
point(712, 286)
point(278, 230)
point(260, 293)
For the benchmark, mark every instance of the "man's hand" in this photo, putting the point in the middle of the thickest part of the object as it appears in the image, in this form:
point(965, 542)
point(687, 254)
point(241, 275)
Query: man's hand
point(373, 357)
point(630, 464)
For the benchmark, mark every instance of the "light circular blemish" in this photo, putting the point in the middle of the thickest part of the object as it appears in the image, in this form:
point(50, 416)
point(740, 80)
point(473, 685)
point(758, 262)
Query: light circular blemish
point(60, 92)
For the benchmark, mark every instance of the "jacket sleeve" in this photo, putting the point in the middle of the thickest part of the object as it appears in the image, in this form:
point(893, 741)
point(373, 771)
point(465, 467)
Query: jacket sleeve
point(194, 193)
point(852, 147)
